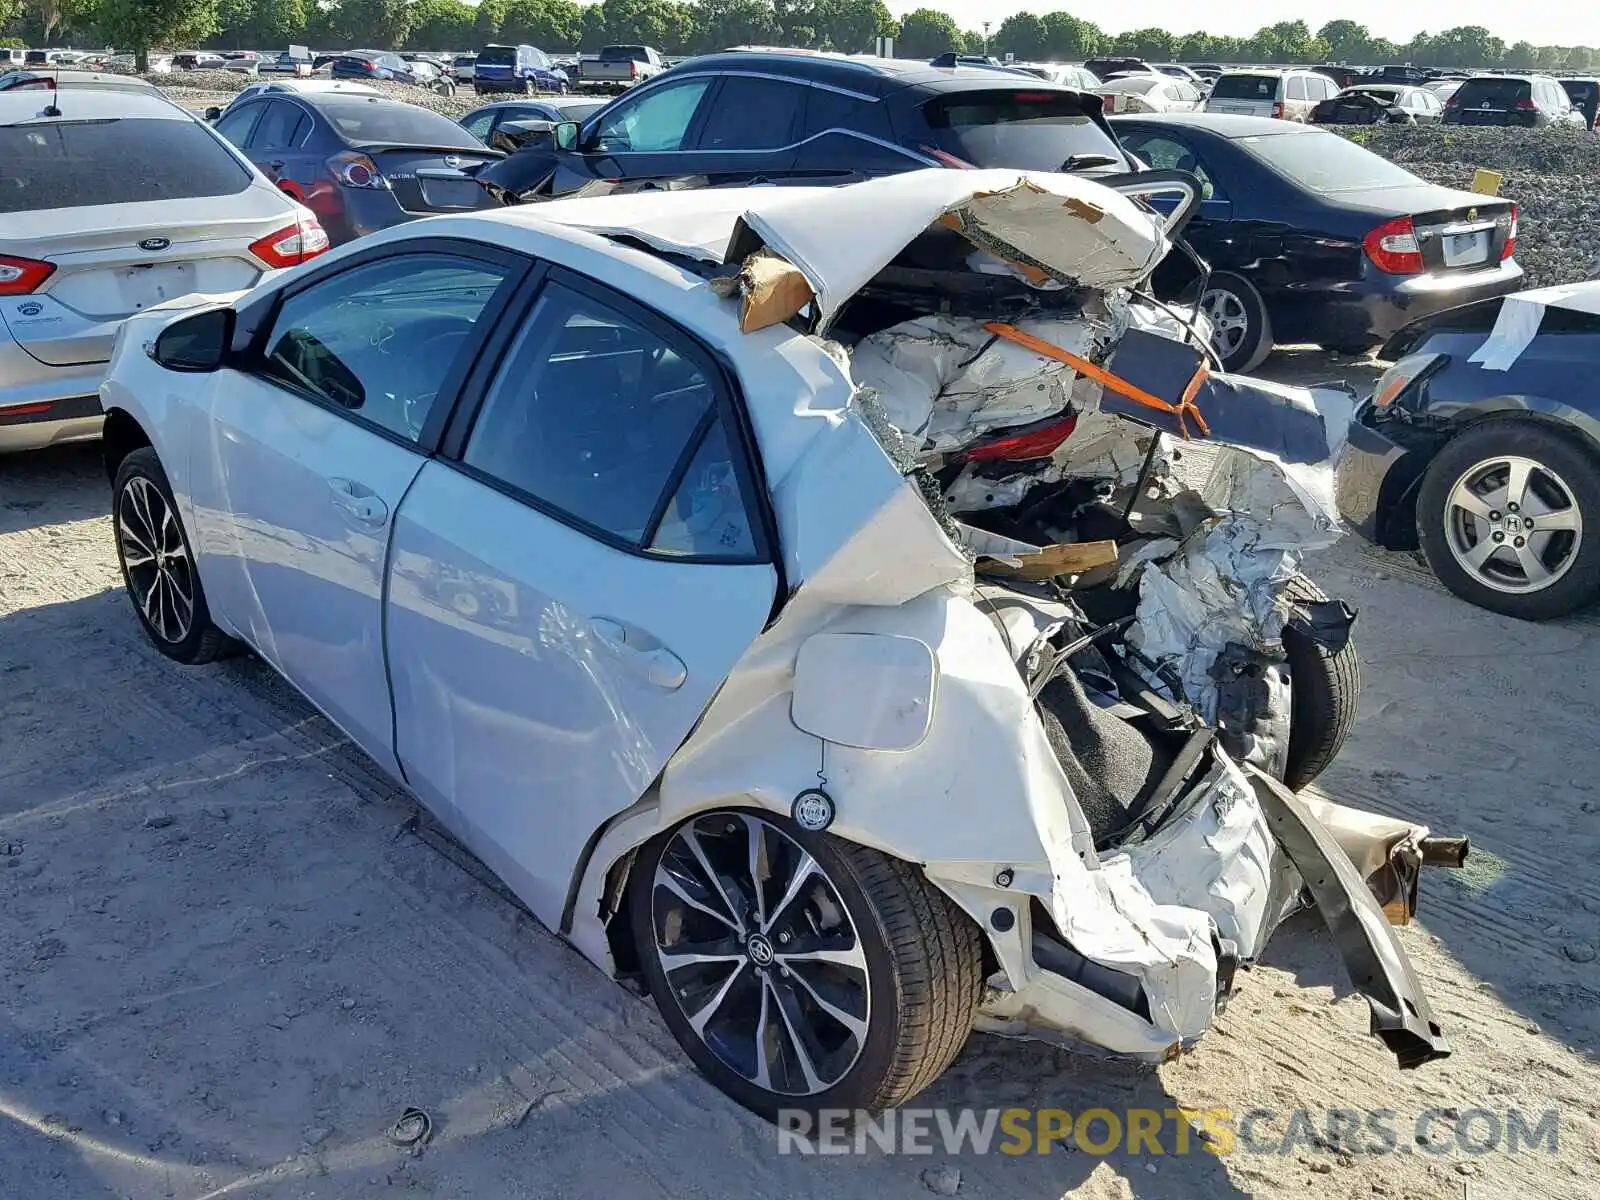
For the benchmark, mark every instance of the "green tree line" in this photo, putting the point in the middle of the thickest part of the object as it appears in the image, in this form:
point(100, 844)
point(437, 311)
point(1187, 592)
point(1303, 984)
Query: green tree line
point(696, 26)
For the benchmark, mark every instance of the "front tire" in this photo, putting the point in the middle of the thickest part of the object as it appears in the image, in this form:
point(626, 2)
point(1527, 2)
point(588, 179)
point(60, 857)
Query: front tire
point(1241, 331)
point(158, 567)
point(800, 971)
point(1325, 688)
point(1509, 518)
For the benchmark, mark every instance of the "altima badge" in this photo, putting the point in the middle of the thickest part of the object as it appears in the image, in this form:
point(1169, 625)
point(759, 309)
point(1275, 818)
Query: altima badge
point(155, 244)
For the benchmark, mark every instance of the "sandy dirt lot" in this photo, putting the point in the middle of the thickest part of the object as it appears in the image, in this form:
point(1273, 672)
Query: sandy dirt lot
point(229, 961)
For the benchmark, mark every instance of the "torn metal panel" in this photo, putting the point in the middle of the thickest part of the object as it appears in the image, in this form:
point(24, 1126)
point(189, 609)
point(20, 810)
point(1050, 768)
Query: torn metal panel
point(1378, 966)
point(1073, 229)
point(1217, 854)
point(945, 382)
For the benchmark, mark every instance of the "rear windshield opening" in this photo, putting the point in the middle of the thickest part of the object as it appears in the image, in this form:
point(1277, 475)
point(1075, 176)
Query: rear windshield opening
point(1246, 87)
point(80, 164)
point(1503, 92)
point(364, 122)
point(499, 56)
point(624, 54)
point(1033, 131)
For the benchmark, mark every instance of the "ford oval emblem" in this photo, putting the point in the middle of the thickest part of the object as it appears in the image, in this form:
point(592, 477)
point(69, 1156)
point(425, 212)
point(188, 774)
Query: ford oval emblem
point(155, 244)
point(30, 309)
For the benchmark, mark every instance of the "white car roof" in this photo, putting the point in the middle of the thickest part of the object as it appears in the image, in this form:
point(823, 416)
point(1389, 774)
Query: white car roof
point(1134, 83)
point(88, 103)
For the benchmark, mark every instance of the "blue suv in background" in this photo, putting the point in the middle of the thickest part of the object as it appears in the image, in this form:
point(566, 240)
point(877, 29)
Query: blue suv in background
point(525, 69)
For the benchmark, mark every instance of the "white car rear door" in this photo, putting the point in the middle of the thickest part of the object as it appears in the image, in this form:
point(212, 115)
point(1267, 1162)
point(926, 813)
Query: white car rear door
point(566, 597)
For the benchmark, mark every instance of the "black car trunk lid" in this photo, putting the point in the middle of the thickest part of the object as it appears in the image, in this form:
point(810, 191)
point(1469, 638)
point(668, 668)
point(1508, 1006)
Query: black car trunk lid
point(428, 179)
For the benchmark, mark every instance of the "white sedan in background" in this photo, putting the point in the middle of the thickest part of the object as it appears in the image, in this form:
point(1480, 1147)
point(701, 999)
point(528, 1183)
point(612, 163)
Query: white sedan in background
point(1149, 94)
point(594, 540)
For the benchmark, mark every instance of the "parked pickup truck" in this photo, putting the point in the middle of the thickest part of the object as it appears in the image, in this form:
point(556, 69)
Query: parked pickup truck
point(620, 67)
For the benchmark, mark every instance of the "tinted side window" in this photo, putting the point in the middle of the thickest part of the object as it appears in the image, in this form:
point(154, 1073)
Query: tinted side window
point(833, 110)
point(1295, 88)
point(753, 114)
point(238, 124)
point(605, 421)
point(478, 124)
point(379, 340)
point(281, 128)
point(658, 120)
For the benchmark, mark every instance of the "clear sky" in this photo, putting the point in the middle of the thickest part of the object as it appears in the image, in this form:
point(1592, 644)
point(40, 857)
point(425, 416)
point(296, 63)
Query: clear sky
point(1545, 22)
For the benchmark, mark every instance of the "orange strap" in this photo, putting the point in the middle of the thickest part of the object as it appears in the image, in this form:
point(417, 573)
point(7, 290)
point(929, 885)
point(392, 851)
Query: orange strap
point(1184, 408)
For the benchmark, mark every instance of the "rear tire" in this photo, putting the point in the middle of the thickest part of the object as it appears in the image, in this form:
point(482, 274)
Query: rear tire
point(1325, 686)
point(158, 567)
point(1241, 329)
point(877, 1022)
point(1560, 487)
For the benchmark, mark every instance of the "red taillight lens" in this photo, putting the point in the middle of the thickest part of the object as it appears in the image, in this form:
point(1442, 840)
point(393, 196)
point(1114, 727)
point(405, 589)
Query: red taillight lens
point(1510, 247)
point(353, 169)
point(1393, 248)
point(1040, 442)
point(293, 244)
point(19, 276)
point(1526, 105)
point(1277, 109)
point(1454, 101)
point(948, 160)
point(633, 69)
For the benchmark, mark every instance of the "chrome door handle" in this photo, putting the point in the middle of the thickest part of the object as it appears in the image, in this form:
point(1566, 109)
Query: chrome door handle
point(640, 653)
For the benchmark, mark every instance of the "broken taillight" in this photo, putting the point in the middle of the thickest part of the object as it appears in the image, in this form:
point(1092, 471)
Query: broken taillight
point(1039, 441)
point(19, 276)
point(1510, 246)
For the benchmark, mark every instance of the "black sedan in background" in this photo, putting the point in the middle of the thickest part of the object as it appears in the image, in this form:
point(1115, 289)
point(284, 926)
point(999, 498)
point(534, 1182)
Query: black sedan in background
point(1491, 466)
point(361, 163)
point(1311, 238)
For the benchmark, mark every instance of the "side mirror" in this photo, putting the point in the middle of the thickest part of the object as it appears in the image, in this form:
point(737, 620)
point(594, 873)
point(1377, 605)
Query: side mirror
point(213, 113)
point(195, 344)
point(566, 135)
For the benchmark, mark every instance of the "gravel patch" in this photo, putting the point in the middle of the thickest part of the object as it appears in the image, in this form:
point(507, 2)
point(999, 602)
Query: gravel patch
point(1552, 174)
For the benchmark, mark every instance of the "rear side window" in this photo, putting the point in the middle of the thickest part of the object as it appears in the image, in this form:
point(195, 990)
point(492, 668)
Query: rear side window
point(1500, 93)
point(834, 110)
point(605, 420)
point(753, 114)
point(61, 163)
point(1030, 130)
point(1246, 87)
point(1295, 88)
point(282, 127)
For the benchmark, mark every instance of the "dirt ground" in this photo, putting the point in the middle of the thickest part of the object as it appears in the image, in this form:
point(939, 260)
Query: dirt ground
point(228, 963)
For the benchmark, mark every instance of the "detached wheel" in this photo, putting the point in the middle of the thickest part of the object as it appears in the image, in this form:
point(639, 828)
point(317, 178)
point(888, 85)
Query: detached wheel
point(1509, 518)
point(1241, 331)
point(798, 970)
point(158, 566)
point(1324, 687)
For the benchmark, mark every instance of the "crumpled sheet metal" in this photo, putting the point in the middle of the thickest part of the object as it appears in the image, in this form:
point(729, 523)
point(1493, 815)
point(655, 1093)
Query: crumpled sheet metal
point(1217, 854)
point(1071, 227)
point(1520, 317)
point(945, 381)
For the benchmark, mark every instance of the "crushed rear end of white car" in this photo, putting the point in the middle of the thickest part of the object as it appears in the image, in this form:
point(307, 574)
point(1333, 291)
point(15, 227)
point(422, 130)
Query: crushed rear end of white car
point(1019, 650)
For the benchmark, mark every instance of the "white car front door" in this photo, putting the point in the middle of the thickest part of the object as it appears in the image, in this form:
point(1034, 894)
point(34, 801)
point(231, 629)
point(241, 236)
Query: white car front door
point(568, 592)
point(311, 445)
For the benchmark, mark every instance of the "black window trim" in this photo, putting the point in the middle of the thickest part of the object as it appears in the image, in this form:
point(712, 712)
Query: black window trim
point(727, 406)
point(255, 323)
point(793, 138)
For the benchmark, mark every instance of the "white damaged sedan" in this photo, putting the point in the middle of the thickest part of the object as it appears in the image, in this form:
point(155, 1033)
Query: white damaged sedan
point(788, 594)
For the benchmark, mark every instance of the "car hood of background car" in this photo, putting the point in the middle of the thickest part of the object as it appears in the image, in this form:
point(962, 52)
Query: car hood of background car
point(1064, 226)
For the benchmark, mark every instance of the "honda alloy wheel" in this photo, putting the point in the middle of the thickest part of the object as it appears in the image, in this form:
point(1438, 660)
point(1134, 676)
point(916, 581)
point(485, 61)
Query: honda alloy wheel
point(158, 567)
point(1508, 515)
point(798, 970)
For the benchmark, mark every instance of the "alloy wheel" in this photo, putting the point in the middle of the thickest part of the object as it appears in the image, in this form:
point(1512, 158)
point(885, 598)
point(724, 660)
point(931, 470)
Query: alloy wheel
point(1230, 323)
point(159, 570)
point(760, 954)
point(1513, 524)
